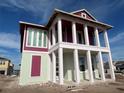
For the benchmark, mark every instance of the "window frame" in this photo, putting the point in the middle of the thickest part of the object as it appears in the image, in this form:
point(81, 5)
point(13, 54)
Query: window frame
point(37, 38)
point(83, 15)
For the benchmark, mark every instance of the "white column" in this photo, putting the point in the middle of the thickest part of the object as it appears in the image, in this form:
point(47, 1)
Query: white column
point(111, 66)
point(53, 36)
point(106, 39)
point(76, 65)
point(97, 37)
point(60, 55)
point(74, 36)
point(109, 56)
point(101, 66)
point(59, 30)
point(86, 34)
point(54, 66)
point(90, 66)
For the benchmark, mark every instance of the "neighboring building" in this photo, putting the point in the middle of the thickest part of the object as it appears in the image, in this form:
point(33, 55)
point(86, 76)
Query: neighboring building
point(68, 48)
point(6, 67)
point(119, 66)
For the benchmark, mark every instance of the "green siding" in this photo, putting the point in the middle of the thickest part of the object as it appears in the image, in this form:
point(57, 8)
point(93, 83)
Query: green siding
point(68, 65)
point(25, 75)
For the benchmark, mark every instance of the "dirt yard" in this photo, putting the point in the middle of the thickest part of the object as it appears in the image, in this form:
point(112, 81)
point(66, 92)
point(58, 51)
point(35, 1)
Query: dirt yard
point(10, 85)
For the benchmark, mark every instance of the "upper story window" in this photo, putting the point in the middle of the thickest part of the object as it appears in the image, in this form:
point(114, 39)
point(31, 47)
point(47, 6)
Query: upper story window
point(83, 15)
point(36, 38)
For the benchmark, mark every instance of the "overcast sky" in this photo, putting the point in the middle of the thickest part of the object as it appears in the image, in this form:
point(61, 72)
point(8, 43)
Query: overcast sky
point(38, 11)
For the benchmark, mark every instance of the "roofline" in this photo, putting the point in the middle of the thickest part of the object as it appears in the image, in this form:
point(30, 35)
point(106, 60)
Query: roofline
point(97, 22)
point(27, 23)
point(67, 13)
point(5, 58)
point(86, 11)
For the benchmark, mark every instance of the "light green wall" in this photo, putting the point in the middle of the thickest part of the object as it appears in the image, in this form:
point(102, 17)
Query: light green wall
point(25, 75)
point(68, 65)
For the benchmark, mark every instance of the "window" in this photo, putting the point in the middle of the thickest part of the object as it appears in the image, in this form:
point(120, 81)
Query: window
point(36, 38)
point(83, 15)
point(36, 66)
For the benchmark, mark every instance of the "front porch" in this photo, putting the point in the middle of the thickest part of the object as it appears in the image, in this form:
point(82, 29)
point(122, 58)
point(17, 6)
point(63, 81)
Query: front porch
point(68, 65)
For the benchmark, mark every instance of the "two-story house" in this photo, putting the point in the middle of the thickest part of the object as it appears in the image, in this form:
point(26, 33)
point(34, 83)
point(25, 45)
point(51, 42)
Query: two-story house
point(6, 67)
point(67, 48)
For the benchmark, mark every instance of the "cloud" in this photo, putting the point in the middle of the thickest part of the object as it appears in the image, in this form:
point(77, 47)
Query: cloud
point(117, 38)
point(9, 40)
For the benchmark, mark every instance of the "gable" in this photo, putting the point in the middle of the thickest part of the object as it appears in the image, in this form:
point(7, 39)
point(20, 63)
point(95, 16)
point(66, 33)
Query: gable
point(85, 14)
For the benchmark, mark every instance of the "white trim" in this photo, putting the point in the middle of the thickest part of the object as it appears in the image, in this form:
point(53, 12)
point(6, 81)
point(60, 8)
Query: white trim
point(37, 39)
point(40, 52)
point(22, 22)
point(25, 31)
point(97, 22)
point(83, 15)
point(86, 12)
point(42, 45)
point(32, 37)
point(79, 47)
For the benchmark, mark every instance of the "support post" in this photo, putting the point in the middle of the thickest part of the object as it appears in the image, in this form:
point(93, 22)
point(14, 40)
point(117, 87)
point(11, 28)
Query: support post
point(76, 65)
point(60, 55)
point(101, 66)
point(111, 66)
point(54, 66)
point(90, 66)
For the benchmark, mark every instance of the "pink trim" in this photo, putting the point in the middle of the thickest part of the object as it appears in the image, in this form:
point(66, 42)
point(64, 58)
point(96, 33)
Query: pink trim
point(33, 48)
point(87, 16)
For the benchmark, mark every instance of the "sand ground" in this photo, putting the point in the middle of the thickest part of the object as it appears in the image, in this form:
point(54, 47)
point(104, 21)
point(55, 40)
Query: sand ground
point(10, 85)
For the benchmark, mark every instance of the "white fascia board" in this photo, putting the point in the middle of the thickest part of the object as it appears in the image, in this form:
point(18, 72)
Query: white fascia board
point(22, 22)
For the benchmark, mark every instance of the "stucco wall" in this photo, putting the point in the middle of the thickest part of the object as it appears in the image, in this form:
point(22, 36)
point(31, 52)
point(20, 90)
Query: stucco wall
point(25, 75)
point(68, 66)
